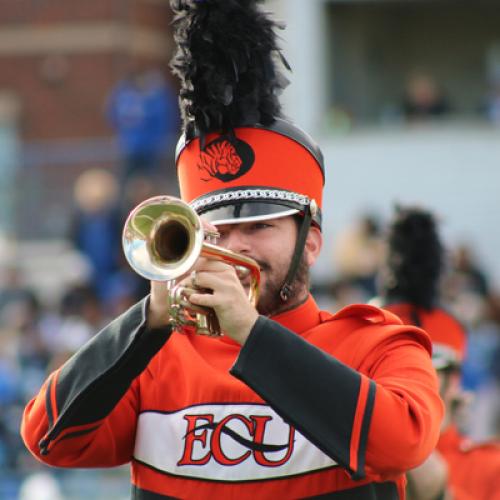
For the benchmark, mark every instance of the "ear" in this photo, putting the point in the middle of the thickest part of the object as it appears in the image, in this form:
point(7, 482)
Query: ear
point(314, 243)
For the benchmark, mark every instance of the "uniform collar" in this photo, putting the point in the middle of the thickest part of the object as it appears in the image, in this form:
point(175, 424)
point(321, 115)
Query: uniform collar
point(302, 318)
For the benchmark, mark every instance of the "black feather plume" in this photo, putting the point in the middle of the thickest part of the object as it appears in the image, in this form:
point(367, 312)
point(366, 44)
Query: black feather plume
point(226, 62)
point(415, 258)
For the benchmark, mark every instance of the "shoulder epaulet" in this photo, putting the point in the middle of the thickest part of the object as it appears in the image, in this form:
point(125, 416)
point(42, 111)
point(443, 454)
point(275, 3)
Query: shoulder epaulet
point(368, 313)
point(377, 324)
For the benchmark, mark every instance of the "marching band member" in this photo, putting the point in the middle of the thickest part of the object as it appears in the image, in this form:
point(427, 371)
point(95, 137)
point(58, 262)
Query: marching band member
point(292, 401)
point(458, 469)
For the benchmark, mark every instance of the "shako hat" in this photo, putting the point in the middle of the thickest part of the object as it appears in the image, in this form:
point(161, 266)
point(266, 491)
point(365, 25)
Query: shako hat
point(238, 159)
point(251, 173)
point(415, 263)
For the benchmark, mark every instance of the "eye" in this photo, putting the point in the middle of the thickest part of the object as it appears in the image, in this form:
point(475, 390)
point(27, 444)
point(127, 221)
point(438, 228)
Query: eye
point(259, 225)
point(222, 235)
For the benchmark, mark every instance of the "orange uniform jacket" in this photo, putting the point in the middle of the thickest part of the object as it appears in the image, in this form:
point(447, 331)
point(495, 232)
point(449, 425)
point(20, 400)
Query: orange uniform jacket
point(474, 469)
point(312, 405)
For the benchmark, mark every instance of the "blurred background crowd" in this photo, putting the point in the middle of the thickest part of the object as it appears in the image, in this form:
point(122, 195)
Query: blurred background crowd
point(88, 125)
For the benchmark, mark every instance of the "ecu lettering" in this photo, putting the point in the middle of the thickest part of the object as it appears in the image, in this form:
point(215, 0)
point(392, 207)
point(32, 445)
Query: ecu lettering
point(205, 435)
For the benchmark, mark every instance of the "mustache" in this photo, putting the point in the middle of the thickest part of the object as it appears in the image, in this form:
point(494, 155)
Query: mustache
point(264, 266)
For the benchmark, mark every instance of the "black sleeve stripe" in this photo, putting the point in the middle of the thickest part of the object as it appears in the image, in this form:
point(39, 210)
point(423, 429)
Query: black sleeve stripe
point(365, 427)
point(320, 395)
point(92, 382)
point(48, 403)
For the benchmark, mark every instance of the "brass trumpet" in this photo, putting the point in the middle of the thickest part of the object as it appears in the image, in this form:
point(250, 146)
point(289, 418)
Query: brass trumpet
point(162, 239)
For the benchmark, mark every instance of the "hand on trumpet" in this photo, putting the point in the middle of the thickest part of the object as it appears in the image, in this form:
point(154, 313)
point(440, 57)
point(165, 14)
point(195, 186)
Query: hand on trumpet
point(227, 297)
point(225, 294)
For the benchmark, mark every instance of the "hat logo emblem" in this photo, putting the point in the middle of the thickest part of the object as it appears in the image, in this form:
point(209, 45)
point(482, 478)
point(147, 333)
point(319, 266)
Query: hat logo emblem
point(225, 158)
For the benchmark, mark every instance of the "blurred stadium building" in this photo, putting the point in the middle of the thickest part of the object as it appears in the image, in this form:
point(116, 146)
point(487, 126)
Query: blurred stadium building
point(404, 98)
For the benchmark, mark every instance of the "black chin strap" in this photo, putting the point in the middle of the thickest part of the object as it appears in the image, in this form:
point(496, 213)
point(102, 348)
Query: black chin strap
point(309, 213)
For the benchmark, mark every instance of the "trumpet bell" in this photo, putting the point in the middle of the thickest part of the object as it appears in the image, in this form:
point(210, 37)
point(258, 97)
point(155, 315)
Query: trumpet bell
point(162, 239)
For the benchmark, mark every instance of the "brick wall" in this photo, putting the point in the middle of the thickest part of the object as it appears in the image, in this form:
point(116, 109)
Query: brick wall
point(62, 92)
point(59, 59)
point(60, 11)
point(70, 107)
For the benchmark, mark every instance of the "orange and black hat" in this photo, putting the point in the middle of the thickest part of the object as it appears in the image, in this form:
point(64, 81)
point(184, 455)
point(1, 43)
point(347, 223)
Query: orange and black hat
point(238, 160)
point(415, 262)
point(252, 173)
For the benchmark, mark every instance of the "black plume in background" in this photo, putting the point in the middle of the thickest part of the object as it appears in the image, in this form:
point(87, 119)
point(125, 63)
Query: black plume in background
point(226, 60)
point(415, 258)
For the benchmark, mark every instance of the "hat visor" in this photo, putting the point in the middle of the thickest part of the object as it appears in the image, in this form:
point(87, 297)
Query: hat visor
point(241, 212)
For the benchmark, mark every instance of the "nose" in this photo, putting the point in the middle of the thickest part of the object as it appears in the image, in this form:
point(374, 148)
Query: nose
point(235, 240)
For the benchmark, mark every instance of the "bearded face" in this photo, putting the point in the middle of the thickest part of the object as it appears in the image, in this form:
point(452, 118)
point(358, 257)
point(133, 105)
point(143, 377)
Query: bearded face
point(270, 302)
point(271, 243)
